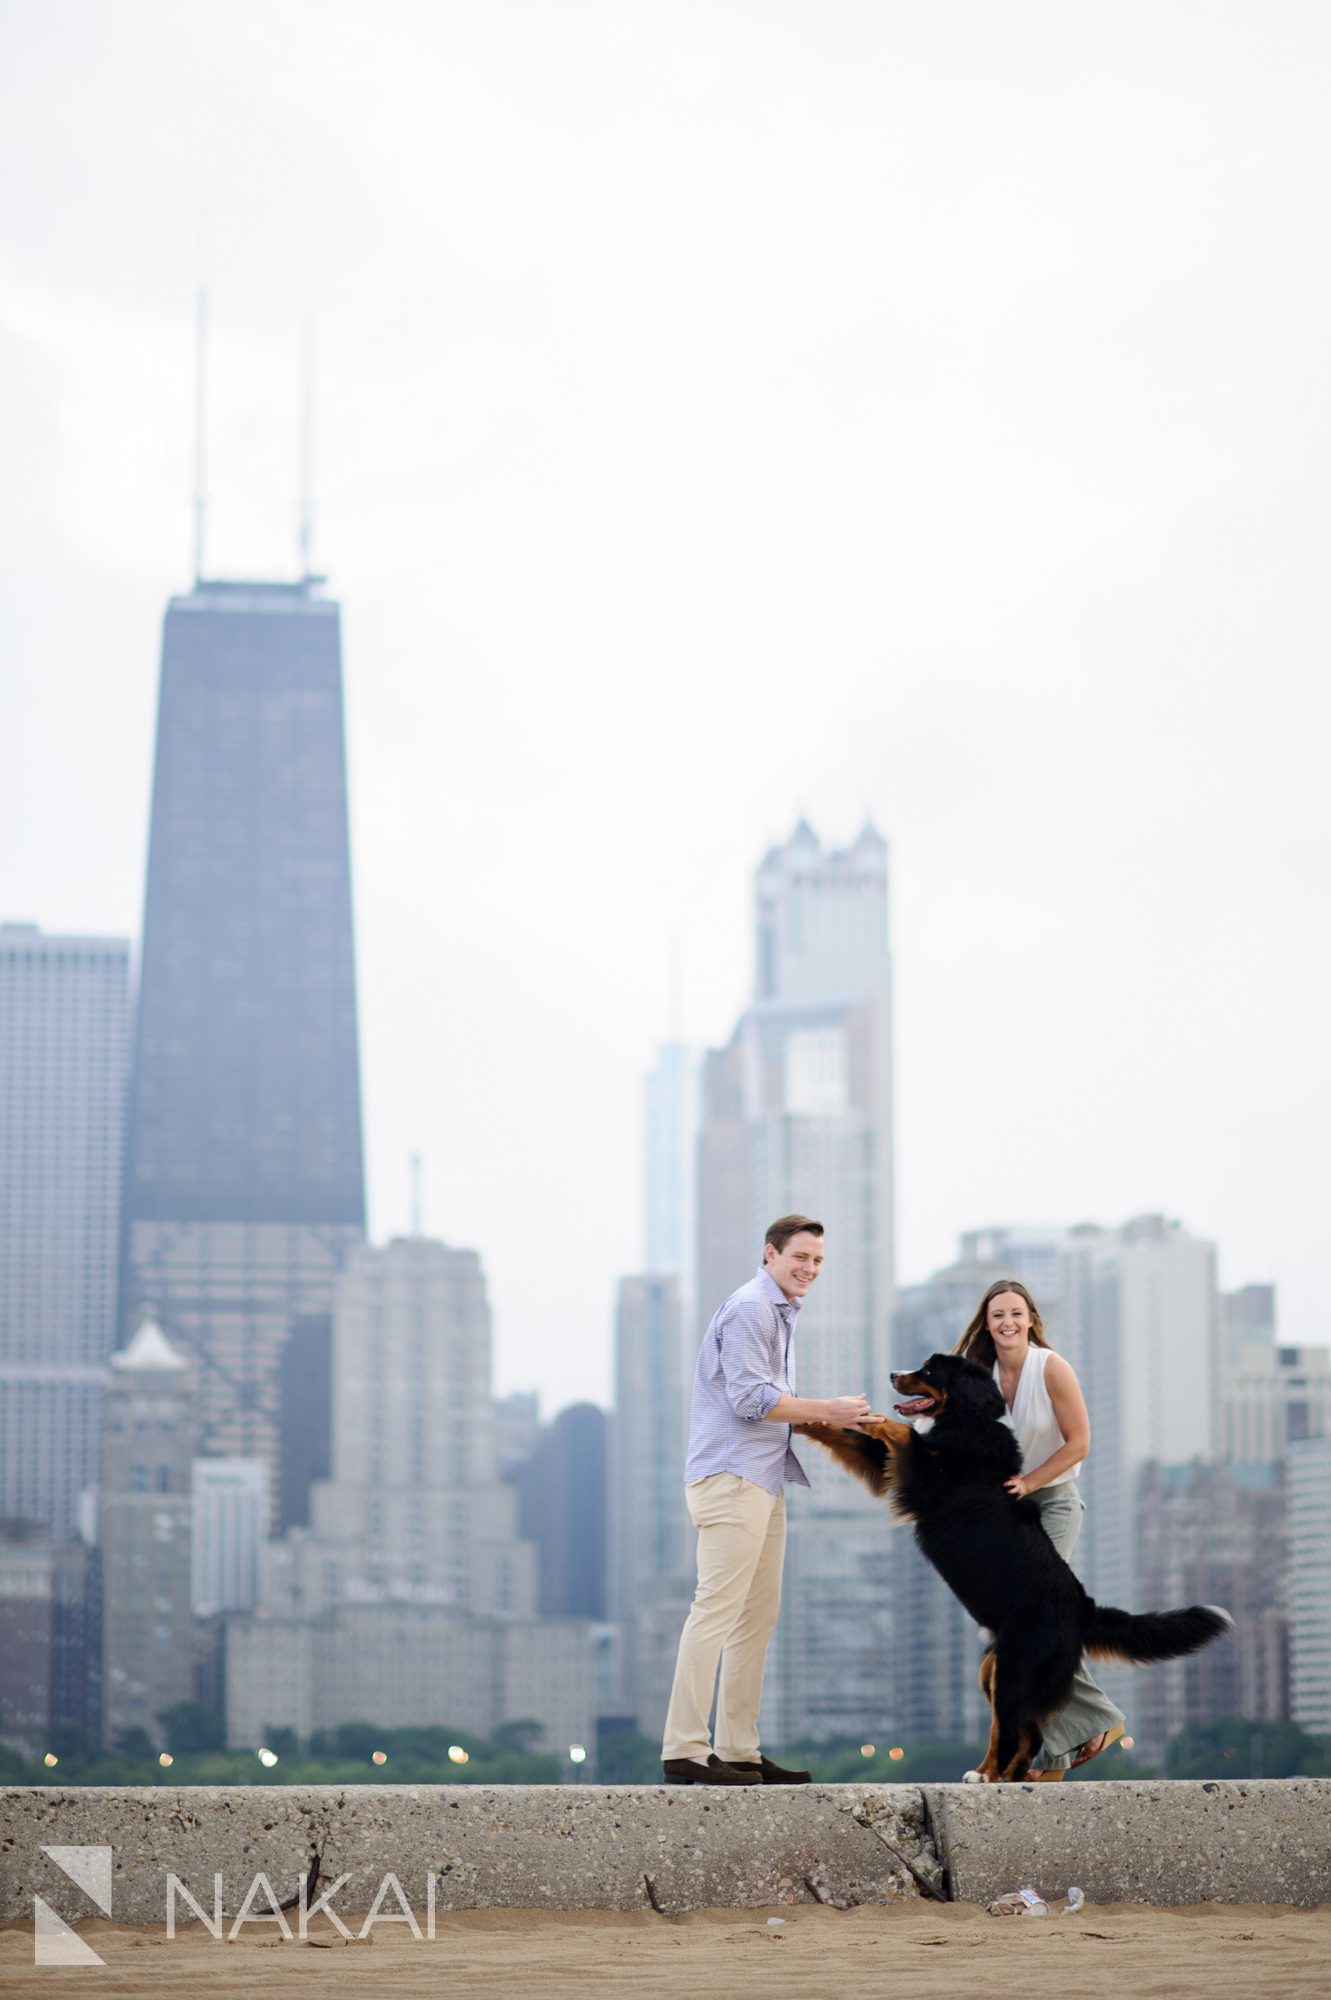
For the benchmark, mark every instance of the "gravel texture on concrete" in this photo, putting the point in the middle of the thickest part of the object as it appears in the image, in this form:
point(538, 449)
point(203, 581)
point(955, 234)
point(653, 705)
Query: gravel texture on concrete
point(1170, 1844)
point(563, 1847)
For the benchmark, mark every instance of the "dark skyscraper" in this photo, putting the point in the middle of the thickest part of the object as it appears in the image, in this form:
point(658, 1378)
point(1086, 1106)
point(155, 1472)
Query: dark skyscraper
point(562, 1508)
point(244, 1176)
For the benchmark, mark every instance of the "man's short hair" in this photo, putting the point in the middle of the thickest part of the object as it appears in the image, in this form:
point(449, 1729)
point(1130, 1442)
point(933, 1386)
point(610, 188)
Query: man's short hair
point(780, 1232)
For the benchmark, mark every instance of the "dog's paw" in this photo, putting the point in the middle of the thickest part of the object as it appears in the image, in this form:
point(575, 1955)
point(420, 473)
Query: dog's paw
point(974, 1778)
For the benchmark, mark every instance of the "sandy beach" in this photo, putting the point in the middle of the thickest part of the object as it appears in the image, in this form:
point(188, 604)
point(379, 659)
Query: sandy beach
point(937, 1950)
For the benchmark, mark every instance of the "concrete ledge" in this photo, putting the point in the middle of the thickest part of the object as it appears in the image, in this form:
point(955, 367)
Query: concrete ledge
point(609, 1847)
point(562, 1847)
point(1167, 1844)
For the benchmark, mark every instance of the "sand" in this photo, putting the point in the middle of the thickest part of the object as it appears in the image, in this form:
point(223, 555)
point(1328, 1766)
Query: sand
point(937, 1950)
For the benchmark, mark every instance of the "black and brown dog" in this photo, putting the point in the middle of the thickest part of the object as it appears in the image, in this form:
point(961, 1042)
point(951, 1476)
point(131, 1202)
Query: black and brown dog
point(990, 1549)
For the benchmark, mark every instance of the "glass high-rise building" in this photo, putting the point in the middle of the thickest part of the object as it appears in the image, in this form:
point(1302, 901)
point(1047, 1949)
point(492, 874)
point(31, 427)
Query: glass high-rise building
point(797, 1109)
point(64, 1033)
point(244, 1180)
point(670, 1105)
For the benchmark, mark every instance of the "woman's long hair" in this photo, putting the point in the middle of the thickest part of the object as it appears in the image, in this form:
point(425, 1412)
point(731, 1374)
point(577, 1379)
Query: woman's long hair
point(977, 1343)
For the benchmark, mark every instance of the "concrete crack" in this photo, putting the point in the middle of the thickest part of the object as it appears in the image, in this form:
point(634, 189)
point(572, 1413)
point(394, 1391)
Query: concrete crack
point(306, 1889)
point(311, 1878)
point(939, 1846)
point(928, 1888)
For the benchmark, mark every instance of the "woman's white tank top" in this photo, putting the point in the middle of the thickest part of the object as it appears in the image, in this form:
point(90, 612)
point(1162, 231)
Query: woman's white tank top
point(1033, 1416)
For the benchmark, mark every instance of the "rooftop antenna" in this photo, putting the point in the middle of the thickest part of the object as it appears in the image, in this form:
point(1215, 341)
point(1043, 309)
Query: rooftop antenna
point(307, 450)
point(200, 428)
point(417, 1226)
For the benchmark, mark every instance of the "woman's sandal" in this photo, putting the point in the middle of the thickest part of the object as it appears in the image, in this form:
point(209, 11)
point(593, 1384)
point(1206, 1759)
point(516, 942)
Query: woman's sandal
point(1110, 1736)
point(1084, 1757)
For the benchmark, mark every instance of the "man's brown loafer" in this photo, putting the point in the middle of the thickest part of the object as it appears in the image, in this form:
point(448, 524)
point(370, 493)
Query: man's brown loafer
point(769, 1773)
point(687, 1771)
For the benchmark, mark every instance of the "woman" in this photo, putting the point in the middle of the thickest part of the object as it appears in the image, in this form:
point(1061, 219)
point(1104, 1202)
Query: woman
point(1054, 1432)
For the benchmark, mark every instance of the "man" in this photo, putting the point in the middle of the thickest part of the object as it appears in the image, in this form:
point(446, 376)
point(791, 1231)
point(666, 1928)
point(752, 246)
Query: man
point(739, 1459)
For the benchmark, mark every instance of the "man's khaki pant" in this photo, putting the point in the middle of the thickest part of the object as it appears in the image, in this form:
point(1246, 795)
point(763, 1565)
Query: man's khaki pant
point(741, 1545)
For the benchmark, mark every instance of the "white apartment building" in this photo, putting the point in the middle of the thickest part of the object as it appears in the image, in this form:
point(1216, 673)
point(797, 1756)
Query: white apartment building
point(1272, 1397)
point(1139, 1320)
point(1308, 1582)
point(1247, 1319)
point(1140, 1325)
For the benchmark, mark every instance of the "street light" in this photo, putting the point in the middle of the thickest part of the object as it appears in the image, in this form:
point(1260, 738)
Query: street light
point(576, 1754)
point(267, 1758)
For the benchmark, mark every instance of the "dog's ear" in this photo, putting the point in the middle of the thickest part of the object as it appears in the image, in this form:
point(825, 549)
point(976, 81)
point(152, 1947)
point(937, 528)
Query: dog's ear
point(864, 1457)
point(971, 1391)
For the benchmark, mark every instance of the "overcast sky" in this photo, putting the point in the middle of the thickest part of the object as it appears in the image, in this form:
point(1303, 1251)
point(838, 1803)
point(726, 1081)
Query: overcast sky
point(725, 412)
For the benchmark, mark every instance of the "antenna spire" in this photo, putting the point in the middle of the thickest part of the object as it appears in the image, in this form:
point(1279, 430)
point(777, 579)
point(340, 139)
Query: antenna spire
point(307, 449)
point(200, 428)
point(675, 1011)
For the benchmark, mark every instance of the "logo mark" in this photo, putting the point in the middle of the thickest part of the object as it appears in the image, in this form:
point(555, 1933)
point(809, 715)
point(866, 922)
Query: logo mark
point(54, 1942)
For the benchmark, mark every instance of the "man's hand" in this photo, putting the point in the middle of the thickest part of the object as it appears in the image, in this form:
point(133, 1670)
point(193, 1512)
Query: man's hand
point(847, 1411)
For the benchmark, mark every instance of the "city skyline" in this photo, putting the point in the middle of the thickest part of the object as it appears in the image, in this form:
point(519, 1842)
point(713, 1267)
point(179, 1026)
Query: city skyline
point(705, 441)
point(668, 1051)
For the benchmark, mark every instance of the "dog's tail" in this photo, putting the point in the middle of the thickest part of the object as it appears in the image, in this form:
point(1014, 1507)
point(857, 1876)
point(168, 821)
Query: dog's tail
point(1153, 1635)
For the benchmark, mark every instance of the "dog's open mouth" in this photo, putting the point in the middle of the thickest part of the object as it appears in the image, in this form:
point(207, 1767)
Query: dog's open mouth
point(925, 1402)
